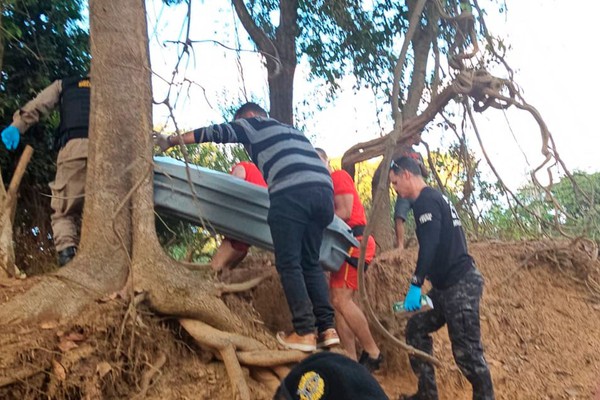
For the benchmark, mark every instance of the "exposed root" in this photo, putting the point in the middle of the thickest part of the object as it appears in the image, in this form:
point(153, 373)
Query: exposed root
point(152, 370)
point(270, 358)
point(243, 286)
point(266, 365)
point(19, 376)
point(60, 368)
point(196, 267)
point(266, 377)
point(225, 344)
point(234, 370)
point(578, 261)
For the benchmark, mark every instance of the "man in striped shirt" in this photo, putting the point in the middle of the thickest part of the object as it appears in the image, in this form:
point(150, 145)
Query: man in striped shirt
point(301, 196)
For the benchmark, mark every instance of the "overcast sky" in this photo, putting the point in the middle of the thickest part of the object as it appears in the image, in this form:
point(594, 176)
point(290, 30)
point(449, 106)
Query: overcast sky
point(551, 51)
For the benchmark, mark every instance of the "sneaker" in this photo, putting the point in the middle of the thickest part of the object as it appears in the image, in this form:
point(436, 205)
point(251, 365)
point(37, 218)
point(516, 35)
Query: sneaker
point(328, 338)
point(372, 364)
point(306, 343)
point(66, 255)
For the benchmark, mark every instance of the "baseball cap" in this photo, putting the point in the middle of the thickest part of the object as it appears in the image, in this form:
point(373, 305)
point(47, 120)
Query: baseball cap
point(329, 376)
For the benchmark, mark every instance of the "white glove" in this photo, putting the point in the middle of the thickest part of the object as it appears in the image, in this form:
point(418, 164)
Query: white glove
point(161, 140)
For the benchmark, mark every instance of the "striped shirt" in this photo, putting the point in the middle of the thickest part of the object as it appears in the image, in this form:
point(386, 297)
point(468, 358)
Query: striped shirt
point(283, 154)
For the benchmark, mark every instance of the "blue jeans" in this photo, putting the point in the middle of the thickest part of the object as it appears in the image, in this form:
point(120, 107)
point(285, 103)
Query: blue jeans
point(297, 219)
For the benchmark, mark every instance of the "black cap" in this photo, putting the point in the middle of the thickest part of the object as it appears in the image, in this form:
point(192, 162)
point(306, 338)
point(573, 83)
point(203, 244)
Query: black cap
point(329, 376)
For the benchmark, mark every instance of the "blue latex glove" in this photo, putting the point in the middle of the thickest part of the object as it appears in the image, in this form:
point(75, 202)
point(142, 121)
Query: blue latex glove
point(412, 302)
point(11, 137)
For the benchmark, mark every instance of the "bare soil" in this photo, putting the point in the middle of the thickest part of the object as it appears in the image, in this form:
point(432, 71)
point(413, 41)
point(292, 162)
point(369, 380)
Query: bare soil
point(540, 328)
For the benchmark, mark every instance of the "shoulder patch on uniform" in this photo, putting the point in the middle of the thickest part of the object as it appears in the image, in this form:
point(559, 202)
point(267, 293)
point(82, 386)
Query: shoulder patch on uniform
point(427, 217)
point(311, 386)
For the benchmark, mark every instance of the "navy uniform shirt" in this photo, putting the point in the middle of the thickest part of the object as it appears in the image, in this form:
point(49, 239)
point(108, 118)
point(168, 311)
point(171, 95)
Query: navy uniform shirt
point(443, 256)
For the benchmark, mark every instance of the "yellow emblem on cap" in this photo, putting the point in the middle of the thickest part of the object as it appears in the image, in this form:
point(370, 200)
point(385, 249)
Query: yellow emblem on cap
point(311, 386)
point(84, 83)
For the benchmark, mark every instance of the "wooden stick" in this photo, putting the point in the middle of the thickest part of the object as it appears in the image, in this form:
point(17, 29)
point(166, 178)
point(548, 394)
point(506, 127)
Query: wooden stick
point(15, 182)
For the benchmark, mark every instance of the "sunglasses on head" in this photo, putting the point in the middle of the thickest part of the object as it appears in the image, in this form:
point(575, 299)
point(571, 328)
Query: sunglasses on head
point(394, 166)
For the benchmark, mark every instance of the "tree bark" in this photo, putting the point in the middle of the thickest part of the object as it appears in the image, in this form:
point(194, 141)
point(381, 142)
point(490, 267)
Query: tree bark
point(118, 236)
point(280, 56)
point(281, 85)
point(421, 44)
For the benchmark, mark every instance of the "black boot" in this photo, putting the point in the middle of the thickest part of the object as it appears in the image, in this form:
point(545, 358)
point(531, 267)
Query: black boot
point(372, 364)
point(66, 255)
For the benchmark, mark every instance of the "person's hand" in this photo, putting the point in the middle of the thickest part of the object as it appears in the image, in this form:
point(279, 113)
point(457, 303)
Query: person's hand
point(412, 302)
point(11, 137)
point(160, 140)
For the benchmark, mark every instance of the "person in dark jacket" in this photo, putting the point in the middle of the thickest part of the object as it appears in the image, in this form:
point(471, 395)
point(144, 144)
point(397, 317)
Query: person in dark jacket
point(329, 376)
point(301, 197)
point(456, 283)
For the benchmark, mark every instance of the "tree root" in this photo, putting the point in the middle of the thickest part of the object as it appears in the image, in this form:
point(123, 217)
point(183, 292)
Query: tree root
point(270, 358)
point(152, 370)
point(267, 366)
point(234, 370)
point(196, 267)
point(224, 344)
point(18, 377)
point(267, 377)
point(60, 368)
point(243, 286)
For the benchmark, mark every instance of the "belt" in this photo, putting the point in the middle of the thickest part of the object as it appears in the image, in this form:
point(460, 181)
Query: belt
point(63, 138)
point(353, 261)
point(358, 230)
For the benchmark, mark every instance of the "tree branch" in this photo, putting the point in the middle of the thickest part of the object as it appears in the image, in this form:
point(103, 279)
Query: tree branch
point(263, 42)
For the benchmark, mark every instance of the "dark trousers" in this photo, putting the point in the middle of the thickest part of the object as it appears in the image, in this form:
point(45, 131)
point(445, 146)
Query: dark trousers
point(457, 306)
point(297, 220)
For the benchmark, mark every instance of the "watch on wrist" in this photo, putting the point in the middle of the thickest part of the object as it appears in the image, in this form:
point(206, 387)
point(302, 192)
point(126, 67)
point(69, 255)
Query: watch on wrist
point(414, 280)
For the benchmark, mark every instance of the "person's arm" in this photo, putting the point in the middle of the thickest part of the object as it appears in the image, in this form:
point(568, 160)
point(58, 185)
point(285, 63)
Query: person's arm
point(401, 208)
point(343, 205)
point(429, 224)
point(428, 219)
point(343, 194)
point(399, 228)
point(31, 113)
point(239, 172)
point(233, 132)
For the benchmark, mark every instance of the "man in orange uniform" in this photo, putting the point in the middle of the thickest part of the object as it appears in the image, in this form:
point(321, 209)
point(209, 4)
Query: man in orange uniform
point(351, 321)
point(232, 252)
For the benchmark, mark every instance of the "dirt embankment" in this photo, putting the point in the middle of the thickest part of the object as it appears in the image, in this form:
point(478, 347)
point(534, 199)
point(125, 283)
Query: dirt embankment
point(540, 327)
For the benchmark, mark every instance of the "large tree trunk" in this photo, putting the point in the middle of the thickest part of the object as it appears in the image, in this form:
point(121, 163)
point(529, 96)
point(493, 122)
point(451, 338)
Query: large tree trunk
point(281, 92)
point(281, 84)
point(118, 237)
